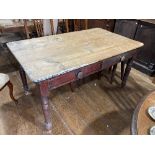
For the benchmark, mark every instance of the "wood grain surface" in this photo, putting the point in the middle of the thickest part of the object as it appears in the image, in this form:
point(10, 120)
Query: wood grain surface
point(46, 57)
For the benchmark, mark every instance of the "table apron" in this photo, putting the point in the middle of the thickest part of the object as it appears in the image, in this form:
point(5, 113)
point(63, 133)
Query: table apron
point(87, 70)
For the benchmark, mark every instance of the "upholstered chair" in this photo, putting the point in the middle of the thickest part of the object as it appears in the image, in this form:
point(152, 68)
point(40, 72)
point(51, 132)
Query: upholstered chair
point(5, 81)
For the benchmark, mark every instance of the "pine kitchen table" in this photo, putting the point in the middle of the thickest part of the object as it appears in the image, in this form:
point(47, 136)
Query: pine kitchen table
point(56, 60)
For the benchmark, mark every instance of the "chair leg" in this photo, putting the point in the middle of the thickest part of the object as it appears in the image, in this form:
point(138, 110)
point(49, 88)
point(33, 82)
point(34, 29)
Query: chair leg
point(113, 73)
point(9, 84)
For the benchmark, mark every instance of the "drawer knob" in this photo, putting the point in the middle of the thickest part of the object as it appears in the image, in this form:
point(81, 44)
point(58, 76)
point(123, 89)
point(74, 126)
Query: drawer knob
point(80, 75)
point(122, 58)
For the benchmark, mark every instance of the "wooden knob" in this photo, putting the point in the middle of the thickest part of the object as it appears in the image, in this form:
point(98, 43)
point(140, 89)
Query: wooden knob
point(80, 75)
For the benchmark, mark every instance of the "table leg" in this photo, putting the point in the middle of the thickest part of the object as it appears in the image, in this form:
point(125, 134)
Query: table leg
point(45, 105)
point(127, 72)
point(99, 75)
point(113, 73)
point(122, 69)
point(109, 69)
point(24, 80)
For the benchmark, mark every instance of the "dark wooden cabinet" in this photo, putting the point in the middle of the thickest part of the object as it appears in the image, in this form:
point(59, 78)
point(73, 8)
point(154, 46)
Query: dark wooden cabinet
point(143, 32)
point(146, 55)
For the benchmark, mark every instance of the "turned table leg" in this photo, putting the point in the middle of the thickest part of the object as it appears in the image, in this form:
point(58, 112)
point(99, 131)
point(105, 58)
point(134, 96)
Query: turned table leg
point(45, 105)
point(109, 69)
point(113, 73)
point(99, 75)
point(24, 80)
point(127, 71)
point(122, 69)
point(9, 84)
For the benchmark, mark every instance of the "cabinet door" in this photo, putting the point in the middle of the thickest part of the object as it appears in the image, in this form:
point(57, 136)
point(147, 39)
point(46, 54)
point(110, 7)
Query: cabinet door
point(146, 55)
point(126, 28)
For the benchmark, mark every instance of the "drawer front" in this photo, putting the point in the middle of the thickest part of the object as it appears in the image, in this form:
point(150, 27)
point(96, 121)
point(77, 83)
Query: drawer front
point(61, 80)
point(88, 70)
point(74, 75)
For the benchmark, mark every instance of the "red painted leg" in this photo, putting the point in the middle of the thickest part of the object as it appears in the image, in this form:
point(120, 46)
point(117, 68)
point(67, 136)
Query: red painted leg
point(45, 105)
point(127, 72)
point(9, 84)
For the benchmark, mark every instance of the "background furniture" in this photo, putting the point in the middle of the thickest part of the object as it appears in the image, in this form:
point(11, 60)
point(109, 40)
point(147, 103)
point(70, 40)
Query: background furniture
point(144, 31)
point(38, 23)
point(75, 24)
point(10, 30)
point(141, 121)
point(38, 28)
point(107, 24)
point(82, 24)
point(5, 81)
point(12, 26)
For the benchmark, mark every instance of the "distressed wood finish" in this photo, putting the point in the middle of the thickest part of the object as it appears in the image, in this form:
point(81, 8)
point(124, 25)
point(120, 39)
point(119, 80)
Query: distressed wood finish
point(57, 54)
point(61, 59)
point(45, 106)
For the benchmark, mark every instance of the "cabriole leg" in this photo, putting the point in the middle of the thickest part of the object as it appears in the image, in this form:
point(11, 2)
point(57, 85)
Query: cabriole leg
point(9, 84)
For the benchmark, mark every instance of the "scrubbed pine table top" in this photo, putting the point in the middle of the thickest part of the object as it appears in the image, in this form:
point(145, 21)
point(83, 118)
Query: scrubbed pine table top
point(46, 57)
